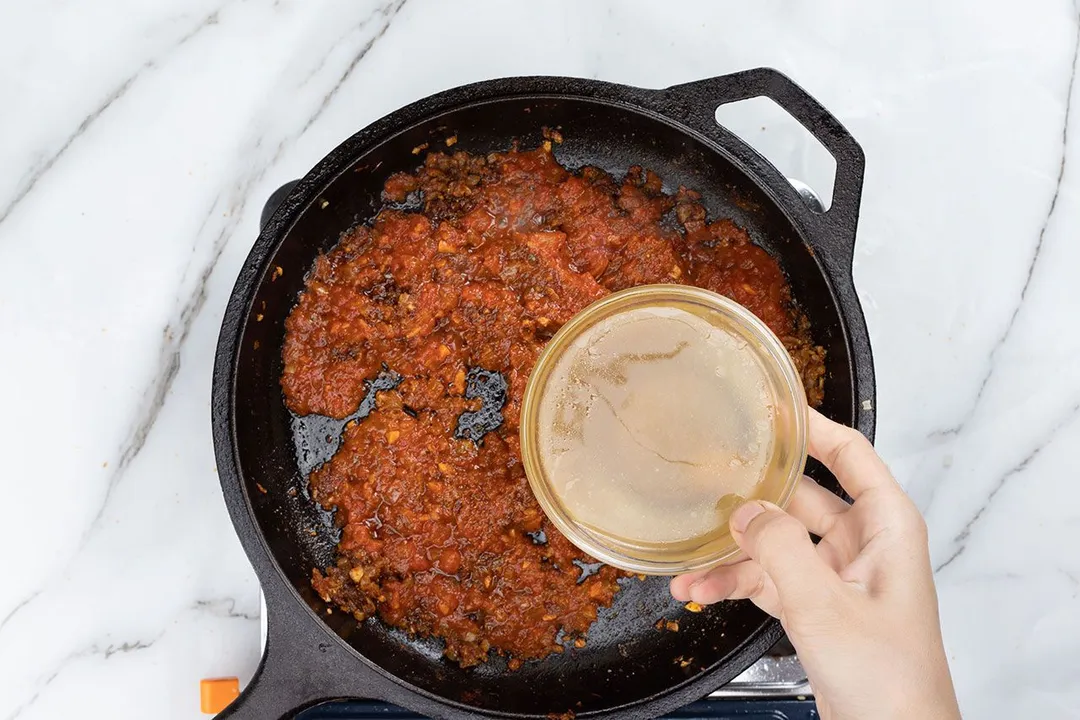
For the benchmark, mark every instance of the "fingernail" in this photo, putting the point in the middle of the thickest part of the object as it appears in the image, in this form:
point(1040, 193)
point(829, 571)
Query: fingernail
point(744, 514)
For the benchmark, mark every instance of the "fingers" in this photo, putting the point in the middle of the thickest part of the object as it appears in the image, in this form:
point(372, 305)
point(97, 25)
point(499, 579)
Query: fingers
point(848, 455)
point(680, 584)
point(814, 506)
point(744, 580)
point(781, 546)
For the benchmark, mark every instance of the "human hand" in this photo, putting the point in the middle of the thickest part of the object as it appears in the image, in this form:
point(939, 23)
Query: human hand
point(860, 607)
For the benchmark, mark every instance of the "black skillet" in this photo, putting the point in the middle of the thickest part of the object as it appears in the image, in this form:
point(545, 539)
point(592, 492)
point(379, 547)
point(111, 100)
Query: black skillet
point(629, 668)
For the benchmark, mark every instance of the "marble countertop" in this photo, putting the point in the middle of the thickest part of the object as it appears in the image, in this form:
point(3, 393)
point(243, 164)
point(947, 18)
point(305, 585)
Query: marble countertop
point(138, 142)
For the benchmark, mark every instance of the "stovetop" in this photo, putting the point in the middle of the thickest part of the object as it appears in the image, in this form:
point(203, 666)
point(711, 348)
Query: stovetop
point(709, 709)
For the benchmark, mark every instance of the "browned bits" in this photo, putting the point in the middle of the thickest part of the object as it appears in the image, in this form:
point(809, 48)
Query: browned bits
point(694, 607)
point(552, 134)
point(260, 488)
point(579, 643)
point(451, 141)
point(323, 204)
point(258, 317)
point(672, 625)
point(278, 272)
point(419, 148)
point(357, 574)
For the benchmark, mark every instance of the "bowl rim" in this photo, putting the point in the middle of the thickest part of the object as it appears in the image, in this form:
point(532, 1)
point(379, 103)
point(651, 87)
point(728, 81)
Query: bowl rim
point(769, 349)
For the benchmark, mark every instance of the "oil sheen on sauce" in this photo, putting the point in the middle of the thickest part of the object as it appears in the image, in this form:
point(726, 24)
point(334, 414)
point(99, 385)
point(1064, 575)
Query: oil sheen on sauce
point(655, 424)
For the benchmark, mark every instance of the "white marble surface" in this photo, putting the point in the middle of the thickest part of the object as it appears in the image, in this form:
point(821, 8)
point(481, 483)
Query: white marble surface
point(139, 140)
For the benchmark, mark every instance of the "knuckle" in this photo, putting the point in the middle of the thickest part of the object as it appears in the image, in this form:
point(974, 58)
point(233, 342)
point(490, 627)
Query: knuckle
point(902, 512)
point(855, 437)
point(914, 523)
point(848, 439)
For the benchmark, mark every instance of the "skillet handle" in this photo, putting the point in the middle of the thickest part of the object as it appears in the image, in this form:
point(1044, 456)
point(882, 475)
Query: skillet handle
point(698, 101)
point(302, 666)
point(831, 234)
point(274, 202)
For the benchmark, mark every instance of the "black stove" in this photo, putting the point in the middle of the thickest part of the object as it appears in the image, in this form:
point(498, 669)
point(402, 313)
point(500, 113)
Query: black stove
point(709, 709)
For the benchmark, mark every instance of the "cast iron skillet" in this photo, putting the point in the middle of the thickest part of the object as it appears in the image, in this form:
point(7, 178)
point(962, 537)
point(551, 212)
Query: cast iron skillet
point(628, 669)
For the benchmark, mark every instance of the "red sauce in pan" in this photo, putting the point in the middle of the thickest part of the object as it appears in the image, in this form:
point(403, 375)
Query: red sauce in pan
point(441, 536)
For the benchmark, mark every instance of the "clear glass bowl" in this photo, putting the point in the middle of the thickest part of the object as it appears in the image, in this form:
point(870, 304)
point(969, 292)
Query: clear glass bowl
point(624, 517)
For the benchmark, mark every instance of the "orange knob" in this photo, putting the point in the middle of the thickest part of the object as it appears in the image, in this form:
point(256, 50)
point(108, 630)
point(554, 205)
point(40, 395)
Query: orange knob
point(215, 694)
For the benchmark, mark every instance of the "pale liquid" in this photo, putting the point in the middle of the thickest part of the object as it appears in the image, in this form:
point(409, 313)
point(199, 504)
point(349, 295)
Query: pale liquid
point(654, 424)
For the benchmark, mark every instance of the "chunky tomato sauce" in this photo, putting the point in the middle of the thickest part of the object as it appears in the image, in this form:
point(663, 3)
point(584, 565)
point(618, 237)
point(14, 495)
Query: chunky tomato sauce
point(441, 536)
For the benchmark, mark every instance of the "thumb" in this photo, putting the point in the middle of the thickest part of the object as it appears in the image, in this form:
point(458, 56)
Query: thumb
point(782, 546)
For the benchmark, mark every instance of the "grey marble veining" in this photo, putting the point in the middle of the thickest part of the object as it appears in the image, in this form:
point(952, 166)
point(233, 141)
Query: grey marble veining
point(139, 141)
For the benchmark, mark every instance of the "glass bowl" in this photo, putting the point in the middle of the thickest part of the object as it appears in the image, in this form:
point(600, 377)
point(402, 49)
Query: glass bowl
point(650, 416)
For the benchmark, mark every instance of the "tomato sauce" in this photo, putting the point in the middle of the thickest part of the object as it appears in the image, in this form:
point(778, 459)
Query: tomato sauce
point(440, 535)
